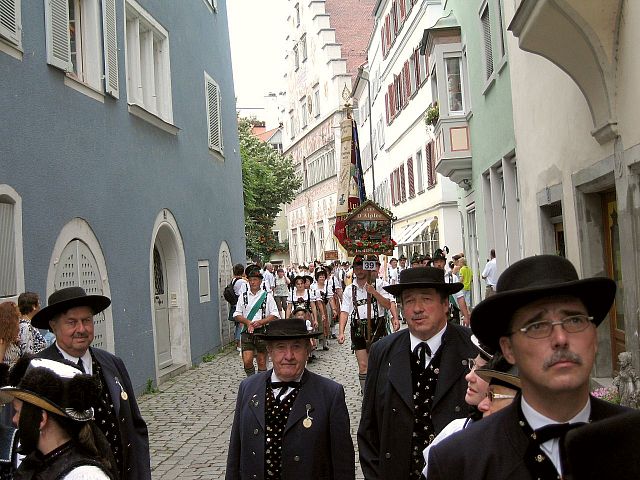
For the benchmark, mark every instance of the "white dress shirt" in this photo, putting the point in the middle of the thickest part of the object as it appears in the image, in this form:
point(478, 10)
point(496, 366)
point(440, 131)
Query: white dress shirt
point(86, 360)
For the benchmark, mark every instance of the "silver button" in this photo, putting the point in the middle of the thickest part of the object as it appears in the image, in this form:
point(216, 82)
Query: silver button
point(255, 431)
point(253, 453)
point(296, 458)
point(464, 362)
point(387, 455)
point(457, 409)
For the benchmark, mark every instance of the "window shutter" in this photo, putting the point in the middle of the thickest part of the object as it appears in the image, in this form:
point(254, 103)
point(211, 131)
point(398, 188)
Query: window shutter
point(8, 284)
point(10, 20)
point(393, 187)
point(386, 106)
point(383, 44)
point(488, 49)
point(213, 115)
point(407, 80)
point(110, 38)
point(412, 188)
point(403, 192)
point(387, 21)
point(57, 29)
point(403, 11)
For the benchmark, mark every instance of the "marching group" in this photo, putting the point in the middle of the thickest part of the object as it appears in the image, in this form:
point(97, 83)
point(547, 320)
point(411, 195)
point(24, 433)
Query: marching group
point(502, 392)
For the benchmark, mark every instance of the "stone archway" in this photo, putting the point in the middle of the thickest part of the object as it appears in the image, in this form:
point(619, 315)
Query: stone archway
point(169, 298)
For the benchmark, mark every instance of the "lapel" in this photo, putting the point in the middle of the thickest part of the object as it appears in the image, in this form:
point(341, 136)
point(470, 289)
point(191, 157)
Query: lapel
point(450, 364)
point(304, 398)
point(400, 368)
point(256, 398)
point(109, 373)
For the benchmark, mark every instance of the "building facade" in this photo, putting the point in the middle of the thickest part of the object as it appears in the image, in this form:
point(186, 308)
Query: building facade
point(392, 96)
point(120, 169)
point(326, 42)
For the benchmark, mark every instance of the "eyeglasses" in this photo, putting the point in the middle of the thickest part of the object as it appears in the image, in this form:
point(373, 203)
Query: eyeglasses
point(471, 363)
point(499, 396)
point(543, 329)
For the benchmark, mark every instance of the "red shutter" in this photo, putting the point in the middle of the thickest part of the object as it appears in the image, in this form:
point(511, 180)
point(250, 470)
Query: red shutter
point(407, 80)
point(412, 188)
point(393, 188)
point(394, 11)
point(430, 164)
point(417, 62)
point(387, 21)
point(403, 192)
point(403, 11)
point(383, 44)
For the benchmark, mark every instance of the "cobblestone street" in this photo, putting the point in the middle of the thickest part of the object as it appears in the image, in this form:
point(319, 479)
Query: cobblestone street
point(190, 419)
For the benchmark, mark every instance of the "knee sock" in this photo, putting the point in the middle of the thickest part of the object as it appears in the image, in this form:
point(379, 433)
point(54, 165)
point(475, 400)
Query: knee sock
point(362, 378)
point(250, 371)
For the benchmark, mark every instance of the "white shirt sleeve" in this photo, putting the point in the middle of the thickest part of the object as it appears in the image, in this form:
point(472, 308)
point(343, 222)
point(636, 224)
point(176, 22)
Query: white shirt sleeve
point(86, 472)
point(347, 301)
point(272, 308)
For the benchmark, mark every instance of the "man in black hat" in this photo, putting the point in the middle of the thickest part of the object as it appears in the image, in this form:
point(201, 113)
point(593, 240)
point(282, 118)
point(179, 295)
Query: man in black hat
point(364, 306)
point(289, 422)
point(256, 307)
point(69, 315)
point(543, 318)
point(416, 381)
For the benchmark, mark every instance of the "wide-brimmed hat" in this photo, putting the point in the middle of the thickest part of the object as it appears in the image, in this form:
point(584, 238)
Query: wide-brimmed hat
point(254, 271)
point(287, 329)
point(485, 352)
point(57, 387)
point(531, 279)
point(423, 277)
point(496, 377)
point(66, 298)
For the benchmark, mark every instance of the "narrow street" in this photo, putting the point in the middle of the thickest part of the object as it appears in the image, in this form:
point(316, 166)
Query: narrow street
point(190, 419)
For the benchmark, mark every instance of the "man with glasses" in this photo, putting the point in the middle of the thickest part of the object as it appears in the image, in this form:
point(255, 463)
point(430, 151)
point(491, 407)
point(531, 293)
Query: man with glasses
point(543, 318)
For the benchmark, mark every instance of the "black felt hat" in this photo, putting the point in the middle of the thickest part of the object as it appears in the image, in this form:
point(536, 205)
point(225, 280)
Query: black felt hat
point(531, 279)
point(287, 329)
point(66, 298)
point(423, 277)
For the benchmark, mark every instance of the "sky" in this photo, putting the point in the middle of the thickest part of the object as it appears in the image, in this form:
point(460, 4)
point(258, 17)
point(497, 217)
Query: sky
point(257, 49)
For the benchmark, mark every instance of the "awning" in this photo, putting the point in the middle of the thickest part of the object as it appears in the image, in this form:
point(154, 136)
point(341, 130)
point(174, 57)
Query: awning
point(412, 230)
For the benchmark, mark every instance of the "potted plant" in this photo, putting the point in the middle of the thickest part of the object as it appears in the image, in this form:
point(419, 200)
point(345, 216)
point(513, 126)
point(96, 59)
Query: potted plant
point(432, 114)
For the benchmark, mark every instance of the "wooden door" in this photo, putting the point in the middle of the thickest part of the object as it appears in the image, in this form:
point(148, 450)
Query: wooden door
point(161, 306)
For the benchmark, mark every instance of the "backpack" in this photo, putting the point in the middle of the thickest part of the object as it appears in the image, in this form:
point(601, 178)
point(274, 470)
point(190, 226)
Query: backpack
point(230, 294)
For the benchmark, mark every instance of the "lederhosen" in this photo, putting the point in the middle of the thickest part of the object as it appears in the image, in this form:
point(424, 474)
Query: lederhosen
point(424, 382)
point(248, 341)
point(276, 415)
point(361, 338)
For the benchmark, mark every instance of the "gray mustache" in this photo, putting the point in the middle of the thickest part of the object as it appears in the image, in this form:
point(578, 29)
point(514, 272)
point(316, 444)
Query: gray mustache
point(561, 356)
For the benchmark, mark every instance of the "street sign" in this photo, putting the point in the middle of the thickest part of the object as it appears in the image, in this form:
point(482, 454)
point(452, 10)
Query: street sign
point(369, 265)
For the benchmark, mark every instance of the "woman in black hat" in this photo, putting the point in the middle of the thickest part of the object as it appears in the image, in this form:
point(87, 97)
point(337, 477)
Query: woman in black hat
point(55, 421)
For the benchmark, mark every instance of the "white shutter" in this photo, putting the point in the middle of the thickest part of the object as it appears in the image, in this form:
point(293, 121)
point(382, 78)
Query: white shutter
point(110, 38)
point(8, 285)
point(10, 20)
point(57, 27)
point(213, 114)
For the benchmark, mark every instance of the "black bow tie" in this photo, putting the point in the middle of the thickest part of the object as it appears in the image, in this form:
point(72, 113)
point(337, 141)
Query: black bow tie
point(284, 386)
point(421, 351)
point(555, 430)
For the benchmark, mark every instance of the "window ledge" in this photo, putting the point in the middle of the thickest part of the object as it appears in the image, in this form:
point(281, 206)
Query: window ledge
point(83, 88)
point(431, 187)
point(502, 63)
point(489, 83)
point(142, 113)
point(11, 49)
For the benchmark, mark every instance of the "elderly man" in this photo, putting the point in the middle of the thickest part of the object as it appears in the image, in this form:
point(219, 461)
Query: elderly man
point(289, 422)
point(544, 319)
point(69, 315)
point(416, 382)
point(364, 305)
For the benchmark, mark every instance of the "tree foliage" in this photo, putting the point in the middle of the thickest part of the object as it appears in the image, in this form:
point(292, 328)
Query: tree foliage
point(269, 181)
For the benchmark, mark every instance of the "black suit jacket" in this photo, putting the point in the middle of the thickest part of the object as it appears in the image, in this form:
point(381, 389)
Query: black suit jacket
point(323, 451)
point(133, 429)
point(386, 424)
point(494, 448)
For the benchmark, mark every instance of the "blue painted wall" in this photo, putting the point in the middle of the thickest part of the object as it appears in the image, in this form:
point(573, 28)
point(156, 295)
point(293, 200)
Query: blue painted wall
point(68, 155)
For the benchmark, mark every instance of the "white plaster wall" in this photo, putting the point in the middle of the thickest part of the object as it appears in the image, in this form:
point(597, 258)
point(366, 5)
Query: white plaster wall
point(628, 95)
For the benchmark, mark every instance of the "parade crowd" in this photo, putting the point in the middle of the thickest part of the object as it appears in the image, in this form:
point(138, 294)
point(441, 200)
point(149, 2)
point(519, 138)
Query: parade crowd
point(499, 390)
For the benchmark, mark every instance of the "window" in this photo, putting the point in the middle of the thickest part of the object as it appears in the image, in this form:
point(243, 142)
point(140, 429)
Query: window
point(10, 22)
point(297, 8)
point(419, 174)
point(320, 230)
point(303, 113)
point(303, 243)
point(296, 57)
point(303, 43)
point(412, 189)
point(486, 35)
point(316, 101)
point(319, 167)
point(403, 191)
point(77, 31)
point(8, 275)
point(294, 246)
point(276, 235)
point(503, 49)
point(454, 85)
point(214, 119)
point(292, 123)
point(148, 69)
point(203, 281)
point(431, 168)
point(380, 132)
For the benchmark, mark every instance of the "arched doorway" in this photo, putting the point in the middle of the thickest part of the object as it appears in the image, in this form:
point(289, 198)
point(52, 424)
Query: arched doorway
point(77, 260)
point(169, 297)
point(225, 275)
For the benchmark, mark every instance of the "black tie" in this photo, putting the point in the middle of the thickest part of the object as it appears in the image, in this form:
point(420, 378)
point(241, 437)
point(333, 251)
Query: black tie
point(559, 431)
point(81, 365)
point(421, 351)
point(283, 386)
